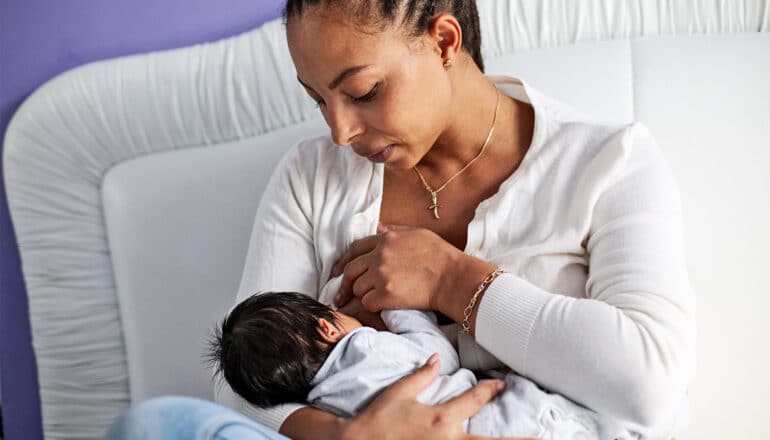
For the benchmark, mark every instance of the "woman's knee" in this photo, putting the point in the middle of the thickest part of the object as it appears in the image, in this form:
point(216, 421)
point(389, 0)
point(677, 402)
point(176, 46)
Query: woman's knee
point(163, 417)
point(175, 417)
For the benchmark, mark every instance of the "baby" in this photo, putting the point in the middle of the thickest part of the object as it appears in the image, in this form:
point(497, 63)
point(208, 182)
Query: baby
point(282, 347)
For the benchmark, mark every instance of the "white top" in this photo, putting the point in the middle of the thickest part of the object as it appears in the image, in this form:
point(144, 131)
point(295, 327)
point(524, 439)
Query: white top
point(595, 303)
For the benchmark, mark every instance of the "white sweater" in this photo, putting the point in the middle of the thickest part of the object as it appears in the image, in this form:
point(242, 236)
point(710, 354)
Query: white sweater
point(595, 303)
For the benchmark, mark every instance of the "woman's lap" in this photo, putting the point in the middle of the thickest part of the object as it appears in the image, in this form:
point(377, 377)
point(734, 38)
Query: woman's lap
point(171, 418)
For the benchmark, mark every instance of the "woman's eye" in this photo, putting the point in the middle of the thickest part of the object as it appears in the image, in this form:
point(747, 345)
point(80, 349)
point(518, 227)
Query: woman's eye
point(319, 103)
point(369, 96)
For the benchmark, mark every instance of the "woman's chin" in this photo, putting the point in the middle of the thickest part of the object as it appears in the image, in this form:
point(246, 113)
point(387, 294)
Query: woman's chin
point(394, 165)
point(399, 161)
point(398, 165)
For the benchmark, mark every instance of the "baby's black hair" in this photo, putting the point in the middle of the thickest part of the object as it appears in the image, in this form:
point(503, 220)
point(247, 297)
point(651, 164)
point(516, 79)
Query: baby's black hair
point(416, 16)
point(268, 348)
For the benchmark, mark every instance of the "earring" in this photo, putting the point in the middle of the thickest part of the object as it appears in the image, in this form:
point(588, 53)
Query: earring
point(448, 63)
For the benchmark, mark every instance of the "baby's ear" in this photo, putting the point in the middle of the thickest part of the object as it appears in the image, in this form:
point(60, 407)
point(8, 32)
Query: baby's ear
point(328, 331)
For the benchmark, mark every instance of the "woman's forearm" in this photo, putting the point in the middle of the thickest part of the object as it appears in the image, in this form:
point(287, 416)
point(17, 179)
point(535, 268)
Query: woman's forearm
point(312, 423)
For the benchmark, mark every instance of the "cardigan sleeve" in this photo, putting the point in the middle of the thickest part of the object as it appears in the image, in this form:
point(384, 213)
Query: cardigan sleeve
point(280, 257)
point(627, 349)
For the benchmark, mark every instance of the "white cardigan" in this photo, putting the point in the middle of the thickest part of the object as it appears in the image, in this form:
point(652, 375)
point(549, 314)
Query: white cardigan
point(595, 303)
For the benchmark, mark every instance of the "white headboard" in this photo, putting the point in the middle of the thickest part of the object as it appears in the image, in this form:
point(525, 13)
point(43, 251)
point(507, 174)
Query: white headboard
point(132, 184)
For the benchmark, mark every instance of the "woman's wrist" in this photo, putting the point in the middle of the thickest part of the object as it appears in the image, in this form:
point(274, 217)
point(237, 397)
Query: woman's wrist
point(465, 275)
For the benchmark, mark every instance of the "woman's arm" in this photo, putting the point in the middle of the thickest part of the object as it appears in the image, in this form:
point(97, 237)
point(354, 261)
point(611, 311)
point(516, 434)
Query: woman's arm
point(311, 423)
point(626, 350)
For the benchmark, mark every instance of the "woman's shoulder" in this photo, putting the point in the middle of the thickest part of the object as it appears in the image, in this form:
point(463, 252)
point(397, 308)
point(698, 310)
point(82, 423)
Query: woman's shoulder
point(608, 146)
point(590, 148)
point(626, 142)
point(566, 128)
point(603, 155)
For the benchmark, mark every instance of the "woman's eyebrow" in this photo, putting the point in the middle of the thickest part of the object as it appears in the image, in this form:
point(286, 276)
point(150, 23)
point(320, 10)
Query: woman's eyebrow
point(341, 77)
point(345, 73)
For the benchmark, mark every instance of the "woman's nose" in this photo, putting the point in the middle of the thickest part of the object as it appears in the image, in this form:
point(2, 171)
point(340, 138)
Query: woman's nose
point(344, 124)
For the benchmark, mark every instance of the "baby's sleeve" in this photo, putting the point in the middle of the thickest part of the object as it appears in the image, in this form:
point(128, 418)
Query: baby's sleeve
point(422, 328)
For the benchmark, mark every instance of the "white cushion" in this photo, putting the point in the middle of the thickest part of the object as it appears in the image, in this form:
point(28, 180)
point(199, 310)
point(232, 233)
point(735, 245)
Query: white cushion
point(594, 78)
point(178, 241)
point(707, 100)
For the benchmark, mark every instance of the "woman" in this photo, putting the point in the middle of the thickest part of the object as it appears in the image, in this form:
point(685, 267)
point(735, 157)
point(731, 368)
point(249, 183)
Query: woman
point(550, 243)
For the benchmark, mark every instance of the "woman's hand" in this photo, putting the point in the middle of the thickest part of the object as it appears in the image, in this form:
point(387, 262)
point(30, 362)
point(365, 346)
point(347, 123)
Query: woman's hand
point(355, 309)
point(396, 413)
point(400, 267)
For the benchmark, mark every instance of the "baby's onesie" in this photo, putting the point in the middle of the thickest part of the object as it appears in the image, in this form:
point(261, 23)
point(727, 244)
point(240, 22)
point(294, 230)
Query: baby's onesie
point(367, 361)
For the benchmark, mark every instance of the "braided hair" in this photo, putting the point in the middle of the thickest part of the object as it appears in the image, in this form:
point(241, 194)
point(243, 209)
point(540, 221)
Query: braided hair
point(414, 16)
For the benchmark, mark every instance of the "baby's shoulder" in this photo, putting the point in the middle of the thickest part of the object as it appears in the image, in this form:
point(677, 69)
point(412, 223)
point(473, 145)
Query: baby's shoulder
point(368, 340)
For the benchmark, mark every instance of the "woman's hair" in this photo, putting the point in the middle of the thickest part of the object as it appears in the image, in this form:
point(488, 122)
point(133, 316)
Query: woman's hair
point(268, 348)
point(414, 16)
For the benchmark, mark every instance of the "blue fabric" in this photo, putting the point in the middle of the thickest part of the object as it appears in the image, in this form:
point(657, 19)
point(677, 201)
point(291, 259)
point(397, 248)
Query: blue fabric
point(188, 418)
point(18, 370)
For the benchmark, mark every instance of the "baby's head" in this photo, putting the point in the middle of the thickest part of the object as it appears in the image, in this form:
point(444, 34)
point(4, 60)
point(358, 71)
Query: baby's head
point(271, 345)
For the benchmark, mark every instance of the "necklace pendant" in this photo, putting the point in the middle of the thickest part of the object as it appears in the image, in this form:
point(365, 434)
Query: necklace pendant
point(435, 206)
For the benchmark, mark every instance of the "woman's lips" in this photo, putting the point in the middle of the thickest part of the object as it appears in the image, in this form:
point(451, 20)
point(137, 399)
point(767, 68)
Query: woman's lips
point(382, 156)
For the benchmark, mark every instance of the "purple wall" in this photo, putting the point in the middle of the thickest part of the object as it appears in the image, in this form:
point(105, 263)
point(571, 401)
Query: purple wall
point(38, 40)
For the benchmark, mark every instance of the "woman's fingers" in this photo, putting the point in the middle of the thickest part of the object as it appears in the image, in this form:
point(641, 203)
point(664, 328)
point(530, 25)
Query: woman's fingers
point(356, 249)
point(364, 283)
point(354, 270)
point(364, 245)
point(369, 301)
point(410, 386)
point(385, 227)
point(355, 309)
point(470, 402)
point(396, 413)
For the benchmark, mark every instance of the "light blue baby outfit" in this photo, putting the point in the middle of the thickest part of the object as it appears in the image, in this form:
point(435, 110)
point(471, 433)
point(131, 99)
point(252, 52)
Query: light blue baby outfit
point(367, 361)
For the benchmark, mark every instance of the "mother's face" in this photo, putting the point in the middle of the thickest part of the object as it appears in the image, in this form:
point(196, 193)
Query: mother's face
point(374, 90)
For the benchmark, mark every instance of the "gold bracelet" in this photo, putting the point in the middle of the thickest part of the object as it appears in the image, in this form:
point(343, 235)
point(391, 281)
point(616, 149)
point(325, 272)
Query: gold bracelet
point(469, 309)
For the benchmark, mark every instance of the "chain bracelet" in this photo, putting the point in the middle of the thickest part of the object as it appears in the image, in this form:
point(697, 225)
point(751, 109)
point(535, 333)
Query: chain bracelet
point(466, 325)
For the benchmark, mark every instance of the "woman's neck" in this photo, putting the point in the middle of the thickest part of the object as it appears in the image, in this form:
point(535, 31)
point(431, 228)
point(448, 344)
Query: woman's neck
point(474, 112)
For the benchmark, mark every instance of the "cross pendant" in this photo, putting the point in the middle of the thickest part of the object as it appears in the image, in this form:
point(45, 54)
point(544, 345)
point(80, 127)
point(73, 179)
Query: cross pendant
point(435, 206)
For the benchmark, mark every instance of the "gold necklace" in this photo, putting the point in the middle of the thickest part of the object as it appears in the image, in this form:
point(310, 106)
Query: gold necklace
point(434, 193)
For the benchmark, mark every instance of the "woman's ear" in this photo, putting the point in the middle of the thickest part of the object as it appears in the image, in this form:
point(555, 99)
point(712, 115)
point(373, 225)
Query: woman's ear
point(448, 35)
point(328, 331)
